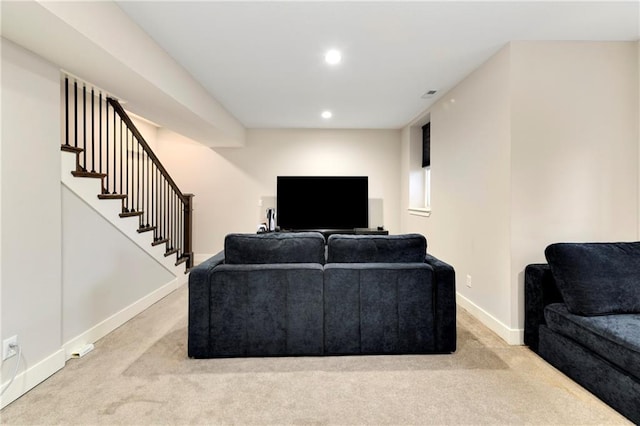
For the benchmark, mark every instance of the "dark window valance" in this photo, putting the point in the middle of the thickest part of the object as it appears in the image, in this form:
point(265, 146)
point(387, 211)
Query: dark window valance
point(426, 145)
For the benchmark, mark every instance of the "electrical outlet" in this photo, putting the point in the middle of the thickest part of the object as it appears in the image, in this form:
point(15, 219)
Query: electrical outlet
point(9, 347)
point(468, 280)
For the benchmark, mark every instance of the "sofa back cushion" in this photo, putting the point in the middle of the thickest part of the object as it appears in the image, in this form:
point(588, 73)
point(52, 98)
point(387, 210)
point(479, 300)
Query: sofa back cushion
point(279, 247)
point(597, 278)
point(376, 248)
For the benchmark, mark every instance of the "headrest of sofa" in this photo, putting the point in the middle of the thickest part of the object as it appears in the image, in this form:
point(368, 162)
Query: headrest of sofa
point(376, 248)
point(277, 247)
point(597, 278)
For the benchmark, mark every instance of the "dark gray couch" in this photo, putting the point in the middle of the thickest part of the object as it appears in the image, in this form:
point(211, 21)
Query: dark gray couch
point(582, 315)
point(291, 294)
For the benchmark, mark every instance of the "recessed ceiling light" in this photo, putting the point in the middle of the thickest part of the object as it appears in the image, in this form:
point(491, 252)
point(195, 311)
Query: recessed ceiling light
point(326, 114)
point(333, 57)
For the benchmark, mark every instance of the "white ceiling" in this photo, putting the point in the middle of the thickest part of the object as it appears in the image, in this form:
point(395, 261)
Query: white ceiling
point(264, 60)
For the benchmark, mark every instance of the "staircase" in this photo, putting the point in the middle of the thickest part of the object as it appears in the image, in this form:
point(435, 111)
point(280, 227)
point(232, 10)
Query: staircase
point(105, 148)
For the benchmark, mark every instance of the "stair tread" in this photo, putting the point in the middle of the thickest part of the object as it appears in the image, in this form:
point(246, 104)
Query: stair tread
point(88, 174)
point(131, 214)
point(182, 260)
point(158, 242)
point(69, 148)
point(112, 196)
point(170, 252)
point(150, 228)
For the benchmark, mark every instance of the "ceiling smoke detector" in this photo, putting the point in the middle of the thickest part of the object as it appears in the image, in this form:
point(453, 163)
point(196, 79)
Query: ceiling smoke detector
point(429, 94)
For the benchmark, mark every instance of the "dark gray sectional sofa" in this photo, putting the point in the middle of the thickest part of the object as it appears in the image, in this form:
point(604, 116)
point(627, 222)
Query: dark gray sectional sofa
point(282, 294)
point(582, 315)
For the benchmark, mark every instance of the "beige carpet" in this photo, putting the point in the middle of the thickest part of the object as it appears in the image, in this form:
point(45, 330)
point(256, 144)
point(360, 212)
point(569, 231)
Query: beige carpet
point(140, 374)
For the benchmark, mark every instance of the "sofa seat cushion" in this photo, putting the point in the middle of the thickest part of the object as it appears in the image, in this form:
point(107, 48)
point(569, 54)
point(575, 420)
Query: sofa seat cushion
point(615, 338)
point(597, 278)
point(378, 308)
point(276, 247)
point(376, 248)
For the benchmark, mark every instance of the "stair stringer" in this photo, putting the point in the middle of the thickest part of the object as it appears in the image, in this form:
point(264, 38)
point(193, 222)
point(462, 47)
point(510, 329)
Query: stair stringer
point(89, 188)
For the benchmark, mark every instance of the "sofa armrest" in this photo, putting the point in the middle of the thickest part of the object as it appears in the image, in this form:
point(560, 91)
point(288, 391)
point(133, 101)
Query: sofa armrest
point(445, 304)
point(539, 290)
point(199, 296)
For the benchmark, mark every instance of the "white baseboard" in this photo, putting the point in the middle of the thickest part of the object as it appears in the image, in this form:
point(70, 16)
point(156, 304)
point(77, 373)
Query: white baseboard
point(513, 336)
point(32, 376)
point(105, 327)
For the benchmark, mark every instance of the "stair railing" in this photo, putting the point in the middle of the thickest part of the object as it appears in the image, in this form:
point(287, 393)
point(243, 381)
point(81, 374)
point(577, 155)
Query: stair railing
point(109, 146)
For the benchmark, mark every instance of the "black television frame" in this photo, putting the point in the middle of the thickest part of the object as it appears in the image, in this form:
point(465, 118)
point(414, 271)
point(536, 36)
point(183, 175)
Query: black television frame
point(322, 203)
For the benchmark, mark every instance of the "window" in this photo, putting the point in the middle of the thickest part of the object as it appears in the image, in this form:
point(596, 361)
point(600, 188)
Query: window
point(426, 162)
point(427, 187)
point(420, 170)
point(426, 145)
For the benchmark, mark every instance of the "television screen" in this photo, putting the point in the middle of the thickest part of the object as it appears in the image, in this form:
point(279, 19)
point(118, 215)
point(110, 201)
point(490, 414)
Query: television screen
point(322, 202)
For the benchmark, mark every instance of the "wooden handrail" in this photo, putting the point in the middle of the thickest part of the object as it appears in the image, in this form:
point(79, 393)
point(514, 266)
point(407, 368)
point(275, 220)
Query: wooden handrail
point(125, 117)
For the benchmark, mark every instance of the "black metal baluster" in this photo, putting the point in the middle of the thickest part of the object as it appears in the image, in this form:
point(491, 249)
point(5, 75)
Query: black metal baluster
point(171, 228)
point(66, 108)
point(154, 200)
point(160, 223)
point(100, 132)
point(93, 132)
point(167, 213)
point(75, 111)
point(149, 185)
point(163, 217)
point(106, 141)
point(178, 227)
point(159, 204)
point(132, 168)
point(175, 223)
point(131, 185)
point(121, 154)
point(115, 170)
point(84, 127)
point(172, 219)
point(142, 184)
point(137, 154)
point(127, 172)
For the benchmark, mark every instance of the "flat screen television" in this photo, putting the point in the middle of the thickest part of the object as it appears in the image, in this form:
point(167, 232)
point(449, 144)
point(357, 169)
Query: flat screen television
point(322, 202)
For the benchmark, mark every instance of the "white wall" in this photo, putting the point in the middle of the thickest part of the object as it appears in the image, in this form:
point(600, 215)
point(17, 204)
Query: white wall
point(66, 279)
point(1, 204)
point(539, 144)
point(470, 167)
point(574, 145)
point(103, 271)
point(31, 236)
point(229, 183)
